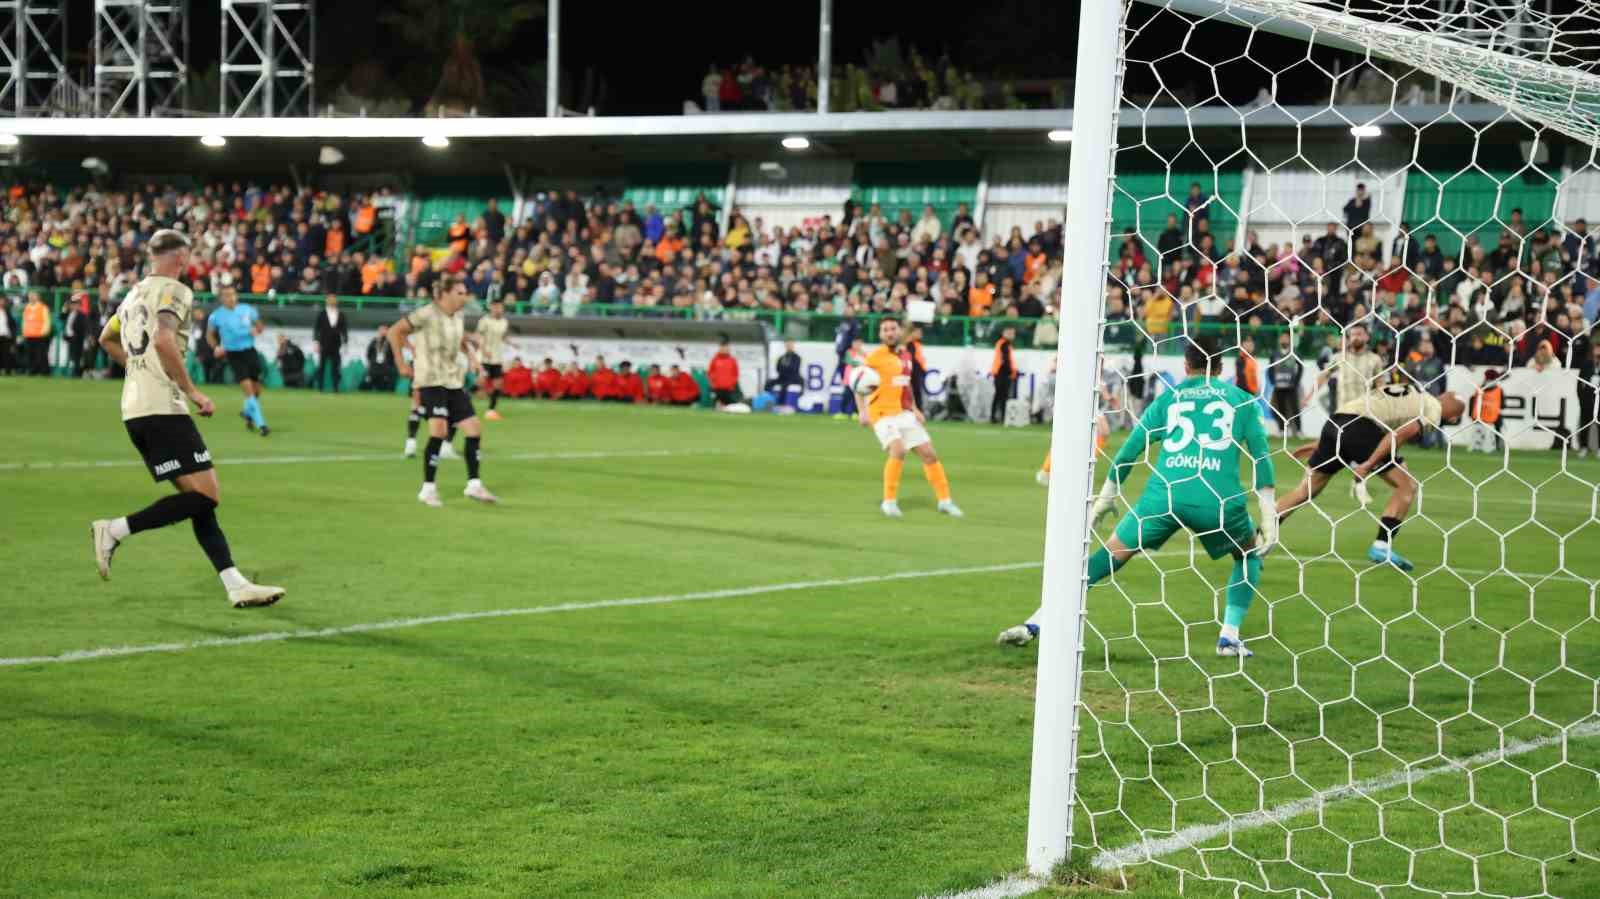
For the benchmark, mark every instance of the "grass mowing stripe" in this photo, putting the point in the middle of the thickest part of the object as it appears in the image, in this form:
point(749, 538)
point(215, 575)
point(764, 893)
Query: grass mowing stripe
point(111, 652)
point(1149, 850)
point(363, 457)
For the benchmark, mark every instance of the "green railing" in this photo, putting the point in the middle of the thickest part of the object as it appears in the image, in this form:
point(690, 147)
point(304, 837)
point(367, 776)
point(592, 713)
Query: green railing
point(1122, 336)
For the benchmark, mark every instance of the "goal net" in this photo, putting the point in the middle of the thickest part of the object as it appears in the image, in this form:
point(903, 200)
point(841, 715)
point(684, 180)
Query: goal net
point(1347, 199)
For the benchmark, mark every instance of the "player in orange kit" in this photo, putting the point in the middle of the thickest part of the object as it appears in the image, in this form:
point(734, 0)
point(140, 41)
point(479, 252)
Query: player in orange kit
point(1102, 430)
point(893, 415)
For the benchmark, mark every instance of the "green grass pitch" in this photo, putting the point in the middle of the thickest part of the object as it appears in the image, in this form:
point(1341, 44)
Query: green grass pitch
point(834, 740)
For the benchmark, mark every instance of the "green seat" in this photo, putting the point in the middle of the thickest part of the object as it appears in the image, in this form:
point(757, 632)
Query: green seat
point(1455, 205)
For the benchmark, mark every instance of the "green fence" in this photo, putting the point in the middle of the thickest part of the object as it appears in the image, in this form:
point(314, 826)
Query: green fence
point(1455, 206)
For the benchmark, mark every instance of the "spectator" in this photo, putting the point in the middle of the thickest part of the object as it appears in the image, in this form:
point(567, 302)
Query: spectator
point(1286, 374)
point(630, 387)
point(330, 333)
point(291, 362)
point(684, 390)
point(1197, 206)
point(1486, 411)
point(1587, 438)
point(381, 370)
point(981, 297)
point(928, 227)
point(658, 388)
point(494, 222)
point(711, 89)
point(1425, 369)
point(36, 330)
point(1544, 358)
point(723, 373)
point(75, 329)
point(1358, 209)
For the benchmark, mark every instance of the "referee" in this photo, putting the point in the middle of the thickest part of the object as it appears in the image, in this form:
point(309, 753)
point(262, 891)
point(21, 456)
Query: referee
point(234, 326)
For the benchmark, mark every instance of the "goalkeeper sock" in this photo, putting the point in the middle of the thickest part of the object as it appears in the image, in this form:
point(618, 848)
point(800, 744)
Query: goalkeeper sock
point(891, 478)
point(1241, 593)
point(1387, 528)
point(1101, 565)
point(941, 484)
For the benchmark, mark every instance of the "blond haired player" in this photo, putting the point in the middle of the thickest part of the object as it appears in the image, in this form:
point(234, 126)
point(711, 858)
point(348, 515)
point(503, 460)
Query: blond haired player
point(146, 335)
point(491, 336)
point(893, 415)
point(1365, 436)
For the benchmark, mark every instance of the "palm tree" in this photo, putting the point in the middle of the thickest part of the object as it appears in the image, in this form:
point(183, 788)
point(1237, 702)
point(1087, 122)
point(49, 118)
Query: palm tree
point(456, 32)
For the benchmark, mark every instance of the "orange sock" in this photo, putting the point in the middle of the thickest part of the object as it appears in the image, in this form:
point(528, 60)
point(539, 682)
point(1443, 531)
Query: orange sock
point(1100, 443)
point(891, 478)
point(935, 475)
point(1046, 466)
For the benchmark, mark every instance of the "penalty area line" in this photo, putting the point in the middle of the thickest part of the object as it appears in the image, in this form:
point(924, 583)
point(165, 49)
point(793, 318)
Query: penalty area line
point(112, 652)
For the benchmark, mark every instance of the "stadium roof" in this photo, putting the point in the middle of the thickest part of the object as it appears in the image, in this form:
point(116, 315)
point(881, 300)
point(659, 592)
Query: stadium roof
point(601, 143)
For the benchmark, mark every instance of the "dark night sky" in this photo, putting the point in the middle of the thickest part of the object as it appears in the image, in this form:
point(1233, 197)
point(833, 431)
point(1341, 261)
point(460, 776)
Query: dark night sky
point(653, 56)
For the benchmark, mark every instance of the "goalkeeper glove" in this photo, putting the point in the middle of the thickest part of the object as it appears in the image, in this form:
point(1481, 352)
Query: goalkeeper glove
point(1103, 503)
point(1267, 504)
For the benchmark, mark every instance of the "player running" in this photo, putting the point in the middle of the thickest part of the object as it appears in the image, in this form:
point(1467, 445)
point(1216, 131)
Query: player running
point(438, 337)
point(893, 415)
point(1200, 424)
point(147, 335)
point(491, 334)
point(1365, 435)
point(235, 325)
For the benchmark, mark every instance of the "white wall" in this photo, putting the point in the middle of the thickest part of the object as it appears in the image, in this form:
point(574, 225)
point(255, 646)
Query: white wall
point(1024, 190)
point(813, 188)
point(1282, 205)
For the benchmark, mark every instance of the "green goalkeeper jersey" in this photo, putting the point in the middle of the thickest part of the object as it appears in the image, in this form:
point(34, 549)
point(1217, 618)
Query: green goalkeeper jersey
point(1200, 425)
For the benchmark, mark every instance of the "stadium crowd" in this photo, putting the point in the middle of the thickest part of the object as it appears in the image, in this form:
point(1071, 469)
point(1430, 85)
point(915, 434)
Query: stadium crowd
point(893, 83)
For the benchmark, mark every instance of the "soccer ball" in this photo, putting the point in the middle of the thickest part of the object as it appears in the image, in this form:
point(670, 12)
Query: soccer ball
point(863, 380)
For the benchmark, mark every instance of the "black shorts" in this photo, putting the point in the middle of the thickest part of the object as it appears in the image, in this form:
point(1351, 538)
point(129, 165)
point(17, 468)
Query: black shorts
point(170, 444)
point(1347, 441)
point(246, 365)
point(493, 371)
point(449, 403)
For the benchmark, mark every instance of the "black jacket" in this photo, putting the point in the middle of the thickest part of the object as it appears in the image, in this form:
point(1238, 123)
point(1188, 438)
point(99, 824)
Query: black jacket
point(789, 369)
point(330, 336)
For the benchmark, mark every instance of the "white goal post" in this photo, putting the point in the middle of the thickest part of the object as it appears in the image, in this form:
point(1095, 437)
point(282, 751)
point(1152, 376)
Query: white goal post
point(1541, 68)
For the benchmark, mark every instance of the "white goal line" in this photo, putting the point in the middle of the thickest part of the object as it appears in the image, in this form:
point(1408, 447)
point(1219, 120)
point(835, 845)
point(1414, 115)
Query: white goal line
point(111, 652)
point(363, 457)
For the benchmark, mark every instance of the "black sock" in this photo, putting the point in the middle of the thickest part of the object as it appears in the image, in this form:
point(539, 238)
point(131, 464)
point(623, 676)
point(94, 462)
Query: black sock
point(430, 459)
point(413, 422)
point(1387, 528)
point(471, 447)
point(169, 510)
point(209, 535)
point(494, 398)
point(450, 435)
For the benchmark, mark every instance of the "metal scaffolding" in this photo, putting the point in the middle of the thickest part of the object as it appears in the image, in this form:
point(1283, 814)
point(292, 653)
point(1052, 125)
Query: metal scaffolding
point(141, 57)
point(33, 42)
point(267, 65)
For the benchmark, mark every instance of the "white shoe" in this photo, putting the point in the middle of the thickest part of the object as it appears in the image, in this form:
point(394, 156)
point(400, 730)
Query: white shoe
point(1232, 648)
point(476, 490)
point(891, 509)
point(411, 447)
point(104, 546)
point(950, 508)
point(429, 496)
point(1042, 477)
point(254, 596)
point(448, 451)
point(1015, 636)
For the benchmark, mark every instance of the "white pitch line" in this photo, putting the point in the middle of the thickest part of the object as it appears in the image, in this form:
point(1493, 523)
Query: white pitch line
point(1011, 887)
point(1189, 837)
point(364, 457)
point(111, 652)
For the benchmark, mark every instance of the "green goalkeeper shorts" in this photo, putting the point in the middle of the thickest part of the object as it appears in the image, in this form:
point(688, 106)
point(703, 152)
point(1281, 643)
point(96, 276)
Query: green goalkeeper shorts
point(1224, 529)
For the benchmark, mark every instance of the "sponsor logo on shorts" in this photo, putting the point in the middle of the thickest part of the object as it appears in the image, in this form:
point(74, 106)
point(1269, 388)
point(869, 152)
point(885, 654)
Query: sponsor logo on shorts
point(203, 457)
point(441, 410)
point(169, 465)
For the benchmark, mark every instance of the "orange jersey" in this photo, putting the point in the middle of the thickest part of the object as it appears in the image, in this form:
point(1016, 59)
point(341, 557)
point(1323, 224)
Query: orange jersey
point(893, 395)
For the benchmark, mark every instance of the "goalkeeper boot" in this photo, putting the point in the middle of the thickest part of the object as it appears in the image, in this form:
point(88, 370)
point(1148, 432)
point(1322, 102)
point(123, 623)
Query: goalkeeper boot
point(1381, 552)
point(1021, 635)
point(1233, 648)
point(891, 508)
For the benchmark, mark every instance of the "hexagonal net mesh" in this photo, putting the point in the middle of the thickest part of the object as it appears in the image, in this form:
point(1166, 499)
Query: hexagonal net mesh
point(1408, 309)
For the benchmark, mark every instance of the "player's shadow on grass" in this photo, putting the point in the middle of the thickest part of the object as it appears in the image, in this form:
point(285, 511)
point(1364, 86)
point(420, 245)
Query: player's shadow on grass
point(208, 734)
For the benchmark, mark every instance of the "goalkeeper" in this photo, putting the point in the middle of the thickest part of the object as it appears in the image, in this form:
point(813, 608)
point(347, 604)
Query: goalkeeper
point(1200, 424)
